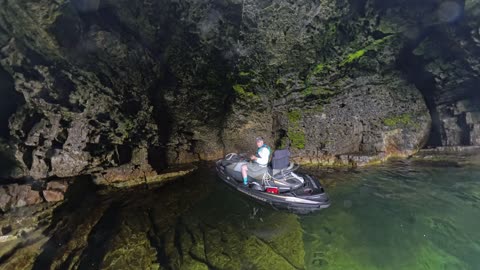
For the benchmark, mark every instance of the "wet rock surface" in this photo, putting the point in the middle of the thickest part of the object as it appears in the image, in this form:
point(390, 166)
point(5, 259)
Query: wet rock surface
point(19, 195)
point(450, 155)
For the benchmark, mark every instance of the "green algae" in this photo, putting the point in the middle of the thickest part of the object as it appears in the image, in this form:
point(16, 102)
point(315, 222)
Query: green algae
point(399, 120)
point(294, 117)
point(318, 69)
point(359, 53)
point(317, 91)
point(243, 93)
point(297, 139)
point(353, 56)
point(315, 110)
point(244, 74)
point(296, 133)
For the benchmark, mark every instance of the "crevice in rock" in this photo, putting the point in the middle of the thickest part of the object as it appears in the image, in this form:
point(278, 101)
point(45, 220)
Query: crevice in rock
point(27, 156)
point(465, 134)
point(123, 154)
point(414, 69)
point(157, 154)
point(60, 139)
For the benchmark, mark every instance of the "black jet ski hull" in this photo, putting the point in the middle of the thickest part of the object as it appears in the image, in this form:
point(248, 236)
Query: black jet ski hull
point(296, 200)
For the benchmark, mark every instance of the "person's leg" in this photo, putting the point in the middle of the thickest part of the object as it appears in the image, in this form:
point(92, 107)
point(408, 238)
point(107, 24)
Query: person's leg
point(245, 174)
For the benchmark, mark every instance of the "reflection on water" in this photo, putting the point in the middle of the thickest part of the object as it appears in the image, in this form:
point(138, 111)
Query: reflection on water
point(397, 216)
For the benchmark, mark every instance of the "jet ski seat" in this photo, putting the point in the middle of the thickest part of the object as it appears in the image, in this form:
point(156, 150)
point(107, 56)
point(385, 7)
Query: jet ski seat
point(280, 159)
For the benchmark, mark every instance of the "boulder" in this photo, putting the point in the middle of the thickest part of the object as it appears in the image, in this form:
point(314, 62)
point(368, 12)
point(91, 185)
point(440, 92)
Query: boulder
point(53, 195)
point(14, 195)
point(4, 199)
point(61, 186)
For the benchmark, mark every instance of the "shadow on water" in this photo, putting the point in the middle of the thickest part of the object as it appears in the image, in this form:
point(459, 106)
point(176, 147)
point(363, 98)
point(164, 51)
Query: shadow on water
point(98, 240)
point(66, 218)
point(83, 228)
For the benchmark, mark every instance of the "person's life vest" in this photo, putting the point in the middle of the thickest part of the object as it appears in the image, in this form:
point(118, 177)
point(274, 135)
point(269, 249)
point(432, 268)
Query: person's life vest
point(260, 148)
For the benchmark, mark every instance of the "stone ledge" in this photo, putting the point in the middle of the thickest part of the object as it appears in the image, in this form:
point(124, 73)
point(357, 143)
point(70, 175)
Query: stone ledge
point(450, 150)
point(344, 160)
point(129, 175)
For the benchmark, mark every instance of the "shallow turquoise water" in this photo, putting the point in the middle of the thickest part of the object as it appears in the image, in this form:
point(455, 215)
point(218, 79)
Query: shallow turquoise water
point(400, 215)
point(396, 216)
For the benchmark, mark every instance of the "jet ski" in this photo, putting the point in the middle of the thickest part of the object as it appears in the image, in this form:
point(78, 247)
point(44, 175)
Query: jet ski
point(278, 185)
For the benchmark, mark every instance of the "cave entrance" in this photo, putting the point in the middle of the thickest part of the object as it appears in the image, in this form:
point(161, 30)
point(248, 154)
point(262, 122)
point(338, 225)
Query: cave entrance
point(414, 68)
point(10, 100)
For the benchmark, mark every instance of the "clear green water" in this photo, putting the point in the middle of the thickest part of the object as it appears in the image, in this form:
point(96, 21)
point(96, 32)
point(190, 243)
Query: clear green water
point(396, 216)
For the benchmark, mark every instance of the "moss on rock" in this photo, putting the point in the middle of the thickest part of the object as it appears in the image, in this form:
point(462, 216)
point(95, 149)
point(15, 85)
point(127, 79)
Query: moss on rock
point(399, 120)
point(296, 132)
point(241, 92)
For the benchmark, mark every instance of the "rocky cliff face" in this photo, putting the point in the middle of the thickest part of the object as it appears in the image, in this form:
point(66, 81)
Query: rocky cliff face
point(98, 84)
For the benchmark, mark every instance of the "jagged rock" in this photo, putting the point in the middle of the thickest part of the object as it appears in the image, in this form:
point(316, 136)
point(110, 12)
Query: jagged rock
point(55, 190)
point(472, 118)
point(15, 195)
point(4, 199)
point(453, 132)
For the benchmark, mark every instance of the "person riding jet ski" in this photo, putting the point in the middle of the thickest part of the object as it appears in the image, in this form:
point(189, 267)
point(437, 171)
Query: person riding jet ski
point(278, 185)
point(259, 163)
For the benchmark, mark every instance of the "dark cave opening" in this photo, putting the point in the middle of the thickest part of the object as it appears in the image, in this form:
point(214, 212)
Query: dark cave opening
point(124, 154)
point(414, 69)
point(10, 100)
point(157, 154)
